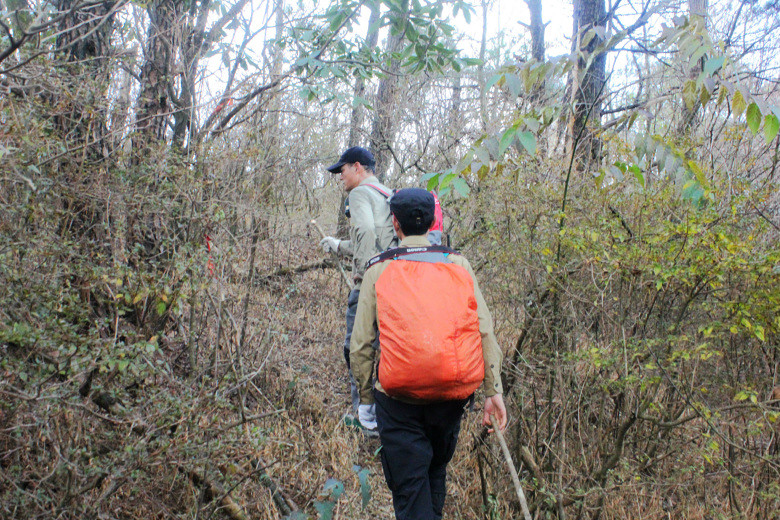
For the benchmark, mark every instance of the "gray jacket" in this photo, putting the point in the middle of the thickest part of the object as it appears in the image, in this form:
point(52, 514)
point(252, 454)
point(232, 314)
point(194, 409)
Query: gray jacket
point(370, 225)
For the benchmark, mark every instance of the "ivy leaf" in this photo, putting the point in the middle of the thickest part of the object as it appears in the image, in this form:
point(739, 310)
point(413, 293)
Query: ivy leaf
point(771, 126)
point(738, 104)
point(528, 140)
point(753, 118)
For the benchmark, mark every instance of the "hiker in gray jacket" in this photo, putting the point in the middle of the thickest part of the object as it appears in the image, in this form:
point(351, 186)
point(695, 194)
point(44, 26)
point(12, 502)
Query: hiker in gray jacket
point(370, 233)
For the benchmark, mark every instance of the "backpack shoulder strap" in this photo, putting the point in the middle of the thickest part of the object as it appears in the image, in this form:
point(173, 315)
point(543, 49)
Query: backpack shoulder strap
point(399, 253)
point(381, 191)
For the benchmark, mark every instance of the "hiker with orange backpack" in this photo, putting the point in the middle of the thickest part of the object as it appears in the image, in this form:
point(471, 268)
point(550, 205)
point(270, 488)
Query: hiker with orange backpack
point(370, 232)
point(437, 346)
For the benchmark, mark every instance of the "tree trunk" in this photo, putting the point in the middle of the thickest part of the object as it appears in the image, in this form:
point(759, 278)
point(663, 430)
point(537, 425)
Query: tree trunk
point(537, 43)
point(537, 29)
point(383, 130)
point(587, 85)
point(154, 104)
point(191, 44)
point(84, 41)
point(356, 120)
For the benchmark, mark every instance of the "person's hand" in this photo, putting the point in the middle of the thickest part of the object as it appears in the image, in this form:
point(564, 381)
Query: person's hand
point(494, 405)
point(367, 416)
point(330, 244)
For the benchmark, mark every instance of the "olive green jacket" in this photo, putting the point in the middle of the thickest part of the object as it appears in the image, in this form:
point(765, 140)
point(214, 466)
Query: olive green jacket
point(370, 226)
point(364, 332)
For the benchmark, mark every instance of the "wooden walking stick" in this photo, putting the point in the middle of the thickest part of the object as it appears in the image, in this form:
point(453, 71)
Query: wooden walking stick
point(335, 257)
point(512, 470)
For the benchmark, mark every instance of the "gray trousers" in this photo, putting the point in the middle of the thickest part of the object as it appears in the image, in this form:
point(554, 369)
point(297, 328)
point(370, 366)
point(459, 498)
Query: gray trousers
point(352, 303)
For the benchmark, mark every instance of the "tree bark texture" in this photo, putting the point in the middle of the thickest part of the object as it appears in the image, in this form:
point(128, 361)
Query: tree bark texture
point(191, 44)
point(537, 42)
point(588, 84)
point(154, 103)
point(356, 119)
point(84, 42)
point(383, 129)
point(537, 29)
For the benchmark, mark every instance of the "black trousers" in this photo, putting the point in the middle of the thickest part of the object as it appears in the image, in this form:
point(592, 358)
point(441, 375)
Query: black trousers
point(418, 442)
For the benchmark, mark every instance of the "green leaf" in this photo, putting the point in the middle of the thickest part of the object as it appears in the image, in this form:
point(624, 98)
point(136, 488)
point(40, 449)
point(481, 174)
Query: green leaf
point(704, 95)
point(690, 94)
point(433, 182)
point(532, 123)
point(738, 104)
point(514, 84)
point(713, 64)
point(493, 80)
point(697, 172)
point(528, 140)
point(506, 140)
point(428, 176)
point(599, 179)
point(771, 126)
point(483, 155)
point(161, 308)
point(461, 187)
point(692, 191)
point(365, 485)
point(759, 332)
point(753, 117)
point(324, 509)
point(333, 488)
point(447, 180)
point(586, 38)
point(638, 174)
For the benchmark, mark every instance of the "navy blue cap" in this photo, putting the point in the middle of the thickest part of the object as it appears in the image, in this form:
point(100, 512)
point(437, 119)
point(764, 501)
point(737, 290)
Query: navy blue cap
point(413, 205)
point(353, 155)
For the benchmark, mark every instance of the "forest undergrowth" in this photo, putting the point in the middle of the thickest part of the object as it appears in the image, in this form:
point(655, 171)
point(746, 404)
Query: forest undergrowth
point(171, 334)
point(103, 415)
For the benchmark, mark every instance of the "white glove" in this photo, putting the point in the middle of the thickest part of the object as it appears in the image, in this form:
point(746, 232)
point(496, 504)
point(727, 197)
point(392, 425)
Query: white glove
point(367, 416)
point(330, 244)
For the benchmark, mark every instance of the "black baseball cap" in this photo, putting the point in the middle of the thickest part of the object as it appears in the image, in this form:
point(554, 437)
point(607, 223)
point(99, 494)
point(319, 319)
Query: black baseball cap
point(353, 155)
point(414, 206)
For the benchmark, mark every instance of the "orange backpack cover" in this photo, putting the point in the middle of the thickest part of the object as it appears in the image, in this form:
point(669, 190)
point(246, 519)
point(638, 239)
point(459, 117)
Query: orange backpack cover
point(430, 344)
